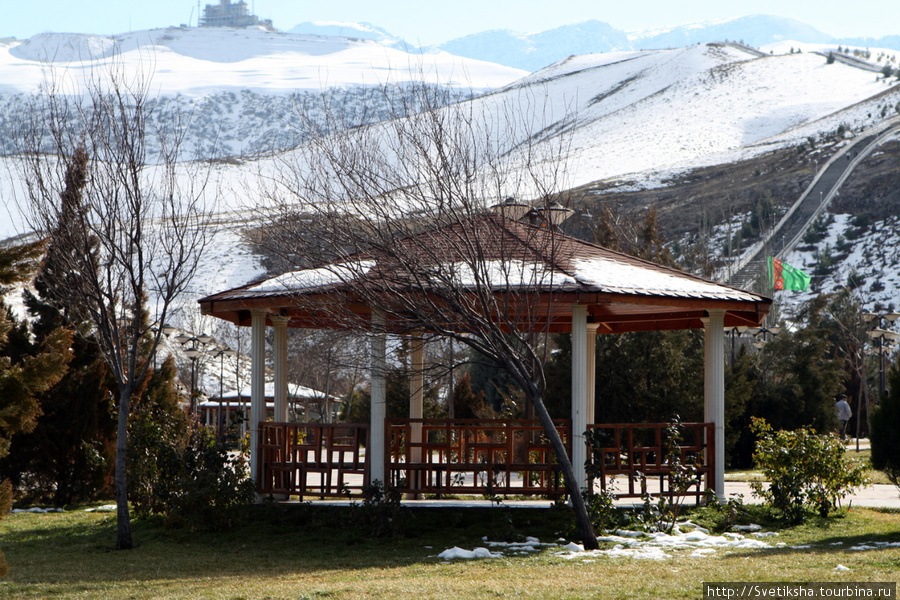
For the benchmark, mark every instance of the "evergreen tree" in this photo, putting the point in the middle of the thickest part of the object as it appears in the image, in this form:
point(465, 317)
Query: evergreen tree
point(489, 378)
point(885, 434)
point(158, 429)
point(23, 377)
point(69, 455)
point(467, 403)
point(357, 406)
point(794, 379)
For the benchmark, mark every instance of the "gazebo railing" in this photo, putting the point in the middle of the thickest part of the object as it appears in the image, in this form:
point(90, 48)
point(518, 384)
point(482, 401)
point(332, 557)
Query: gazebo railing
point(460, 456)
point(312, 459)
point(624, 450)
point(486, 457)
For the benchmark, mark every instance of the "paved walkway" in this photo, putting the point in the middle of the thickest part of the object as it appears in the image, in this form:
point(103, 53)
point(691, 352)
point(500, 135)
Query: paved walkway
point(880, 495)
point(874, 496)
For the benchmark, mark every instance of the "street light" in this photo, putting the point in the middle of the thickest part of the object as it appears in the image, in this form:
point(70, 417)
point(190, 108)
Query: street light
point(220, 353)
point(735, 333)
point(762, 335)
point(192, 353)
point(882, 335)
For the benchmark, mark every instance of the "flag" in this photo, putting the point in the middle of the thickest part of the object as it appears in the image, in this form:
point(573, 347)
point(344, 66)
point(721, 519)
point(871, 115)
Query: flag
point(783, 276)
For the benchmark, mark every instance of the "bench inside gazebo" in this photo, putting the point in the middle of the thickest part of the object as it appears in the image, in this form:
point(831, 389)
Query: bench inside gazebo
point(580, 288)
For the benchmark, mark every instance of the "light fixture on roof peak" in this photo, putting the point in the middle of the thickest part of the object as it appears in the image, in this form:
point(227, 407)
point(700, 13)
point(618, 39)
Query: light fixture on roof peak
point(512, 209)
point(554, 213)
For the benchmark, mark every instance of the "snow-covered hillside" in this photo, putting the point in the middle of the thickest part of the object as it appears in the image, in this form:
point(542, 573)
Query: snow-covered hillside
point(198, 61)
point(643, 116)
point(242, 87)
point(633, 119)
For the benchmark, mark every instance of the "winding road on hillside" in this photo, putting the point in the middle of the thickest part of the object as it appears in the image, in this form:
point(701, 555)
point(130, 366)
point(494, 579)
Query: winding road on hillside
point(789, 231)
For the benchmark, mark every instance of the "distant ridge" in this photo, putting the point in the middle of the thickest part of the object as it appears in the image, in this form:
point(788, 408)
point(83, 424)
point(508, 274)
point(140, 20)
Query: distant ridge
point(533, 51)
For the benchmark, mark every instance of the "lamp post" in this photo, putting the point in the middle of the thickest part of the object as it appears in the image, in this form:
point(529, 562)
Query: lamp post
point(882, 335)
point(736, 332)
point(193, 352)
point(220, 353)
point(763, 335)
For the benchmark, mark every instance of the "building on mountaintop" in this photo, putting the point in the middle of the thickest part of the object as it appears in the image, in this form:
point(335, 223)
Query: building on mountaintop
point(226, 14)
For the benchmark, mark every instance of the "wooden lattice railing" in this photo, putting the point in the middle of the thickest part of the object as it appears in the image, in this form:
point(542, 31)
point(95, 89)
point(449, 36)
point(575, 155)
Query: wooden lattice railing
point(460, 456)
point(305, 459)
point(621, 451)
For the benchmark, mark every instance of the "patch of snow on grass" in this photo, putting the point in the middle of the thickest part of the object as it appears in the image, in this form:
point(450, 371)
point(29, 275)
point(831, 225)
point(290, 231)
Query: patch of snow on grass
point(658, 546)
point(456, 552)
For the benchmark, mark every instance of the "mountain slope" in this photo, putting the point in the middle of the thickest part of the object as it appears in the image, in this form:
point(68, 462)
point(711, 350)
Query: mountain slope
point(664, 111)
point(533, 51)
point(242, 87)
point(631, 122)
point(198, 61)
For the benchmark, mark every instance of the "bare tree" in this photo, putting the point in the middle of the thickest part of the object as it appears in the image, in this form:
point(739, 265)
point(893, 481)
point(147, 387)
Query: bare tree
point(398, 211)
point(126, 222)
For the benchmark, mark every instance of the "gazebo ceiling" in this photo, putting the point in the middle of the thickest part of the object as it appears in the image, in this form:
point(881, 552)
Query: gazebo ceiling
point(537, 273)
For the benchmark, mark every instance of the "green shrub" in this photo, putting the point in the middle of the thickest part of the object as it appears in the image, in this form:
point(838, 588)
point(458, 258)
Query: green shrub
point(806, 471)
point(188, 478)
point(204, 486)
point(604, 514)
point(380, 514)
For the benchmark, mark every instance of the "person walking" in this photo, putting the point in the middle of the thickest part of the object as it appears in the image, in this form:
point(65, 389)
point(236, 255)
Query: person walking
point(843, 413)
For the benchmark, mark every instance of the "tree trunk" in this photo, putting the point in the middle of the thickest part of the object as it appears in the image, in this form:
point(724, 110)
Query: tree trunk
point(582, 520)
point(123, 517)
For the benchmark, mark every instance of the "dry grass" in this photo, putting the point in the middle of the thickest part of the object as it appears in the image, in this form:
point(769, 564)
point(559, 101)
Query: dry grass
point(305, 554)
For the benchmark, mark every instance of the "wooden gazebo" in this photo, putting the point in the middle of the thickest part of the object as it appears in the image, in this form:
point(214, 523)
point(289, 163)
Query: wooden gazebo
point(574, 286)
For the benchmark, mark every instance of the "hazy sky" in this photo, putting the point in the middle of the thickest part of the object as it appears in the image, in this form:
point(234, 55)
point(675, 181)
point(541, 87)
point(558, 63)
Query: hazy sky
point(432, 22)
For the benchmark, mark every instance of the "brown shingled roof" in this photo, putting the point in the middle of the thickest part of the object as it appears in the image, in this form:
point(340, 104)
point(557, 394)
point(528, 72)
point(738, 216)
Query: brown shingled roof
point(623, 293)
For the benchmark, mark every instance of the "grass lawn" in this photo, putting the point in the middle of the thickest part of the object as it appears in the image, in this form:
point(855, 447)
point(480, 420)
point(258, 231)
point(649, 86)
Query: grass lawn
point(314, 552)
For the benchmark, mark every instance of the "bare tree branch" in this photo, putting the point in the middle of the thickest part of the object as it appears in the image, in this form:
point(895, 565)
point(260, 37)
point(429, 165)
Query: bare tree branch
point(127, 226)
point(394, 216)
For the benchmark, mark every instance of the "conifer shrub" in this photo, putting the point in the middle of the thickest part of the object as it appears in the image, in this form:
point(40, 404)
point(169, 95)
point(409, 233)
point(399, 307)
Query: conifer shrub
point(885, 433)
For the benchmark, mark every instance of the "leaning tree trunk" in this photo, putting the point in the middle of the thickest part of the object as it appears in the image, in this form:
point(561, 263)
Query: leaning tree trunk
point(123, 517)
point(582, 520)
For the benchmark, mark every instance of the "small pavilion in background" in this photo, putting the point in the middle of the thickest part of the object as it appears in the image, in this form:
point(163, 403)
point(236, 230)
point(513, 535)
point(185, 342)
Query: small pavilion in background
point(583, 289)
point(304, 405)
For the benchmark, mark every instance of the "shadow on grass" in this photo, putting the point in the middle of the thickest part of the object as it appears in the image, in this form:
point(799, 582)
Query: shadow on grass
point(860, 530)
point(269, 541)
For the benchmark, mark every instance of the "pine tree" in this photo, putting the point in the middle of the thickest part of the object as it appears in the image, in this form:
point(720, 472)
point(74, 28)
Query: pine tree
point(885, 434)
point(23, 378)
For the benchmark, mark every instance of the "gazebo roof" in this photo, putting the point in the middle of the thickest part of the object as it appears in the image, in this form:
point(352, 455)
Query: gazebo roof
point(623, 293)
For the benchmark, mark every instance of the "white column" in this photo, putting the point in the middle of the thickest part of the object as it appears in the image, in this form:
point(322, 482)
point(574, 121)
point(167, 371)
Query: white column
point(591, 373)
point(376, 447)
point(417, 397)
point(257, 384)
point(579, 391)
point(714, 389)
point(279, 323)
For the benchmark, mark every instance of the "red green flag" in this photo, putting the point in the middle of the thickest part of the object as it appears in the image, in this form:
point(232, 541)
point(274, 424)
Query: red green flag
point(783, 276)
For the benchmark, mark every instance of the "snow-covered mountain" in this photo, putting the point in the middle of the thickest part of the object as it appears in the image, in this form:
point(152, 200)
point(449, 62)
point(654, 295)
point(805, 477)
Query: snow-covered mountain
point(634, 120)
point(241, 86)
point(362, 31)
point(533, 51)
